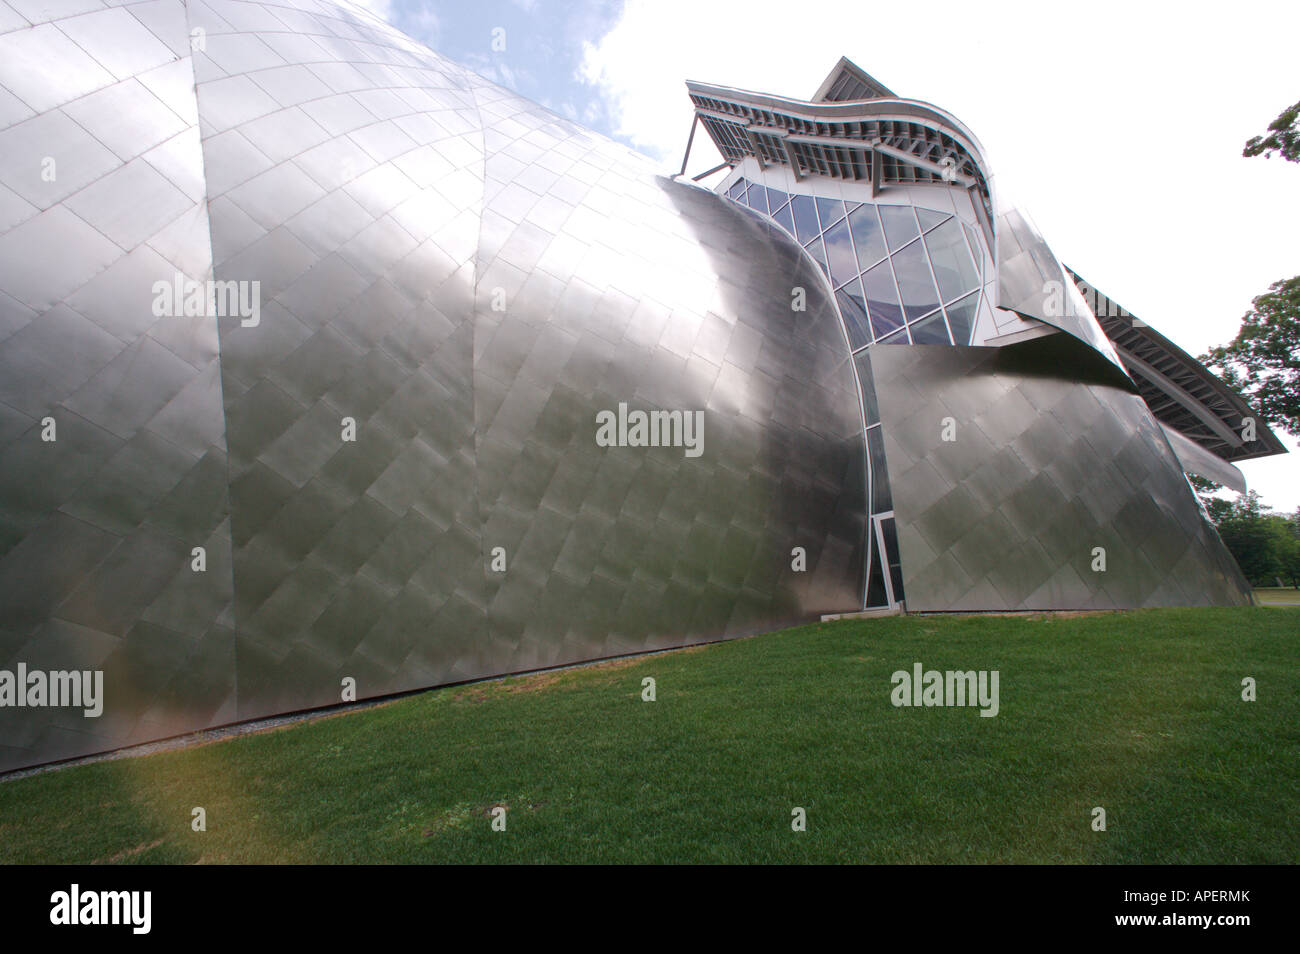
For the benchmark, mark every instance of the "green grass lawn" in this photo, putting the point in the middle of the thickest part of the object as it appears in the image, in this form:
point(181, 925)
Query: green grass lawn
point(1140, 713)
point(1277, 596)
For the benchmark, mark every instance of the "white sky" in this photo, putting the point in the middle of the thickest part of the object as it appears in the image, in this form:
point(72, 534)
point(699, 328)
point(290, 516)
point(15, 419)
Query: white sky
point(1117, 125)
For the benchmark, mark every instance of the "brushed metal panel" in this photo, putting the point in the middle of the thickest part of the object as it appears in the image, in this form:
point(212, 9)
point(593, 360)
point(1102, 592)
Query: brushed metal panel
point(1197, 460)
point(1044, 467)
point(1032, 282)
point(98, 527)
point(346, 552)
point(664, 549)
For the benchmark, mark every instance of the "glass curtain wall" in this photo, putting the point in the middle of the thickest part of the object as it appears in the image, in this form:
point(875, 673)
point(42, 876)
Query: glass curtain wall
point(901, 275)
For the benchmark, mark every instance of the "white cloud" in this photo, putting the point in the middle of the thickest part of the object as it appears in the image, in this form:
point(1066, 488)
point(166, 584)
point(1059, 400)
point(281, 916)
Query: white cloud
point(1119, 125)
point(497, 70)
point(423, 24)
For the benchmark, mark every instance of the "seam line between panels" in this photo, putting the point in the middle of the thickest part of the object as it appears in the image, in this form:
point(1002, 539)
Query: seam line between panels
point(225, 421)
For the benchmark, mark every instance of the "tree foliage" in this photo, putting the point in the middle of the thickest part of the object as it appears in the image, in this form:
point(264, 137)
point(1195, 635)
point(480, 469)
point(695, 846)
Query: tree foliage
point(1263, 364)
point(1287, 547)
point(1265, 545)
point(1263, 361)
point(1283, 137)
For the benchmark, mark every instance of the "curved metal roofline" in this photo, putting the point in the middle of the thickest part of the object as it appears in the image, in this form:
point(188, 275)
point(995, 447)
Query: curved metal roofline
point(883, 108)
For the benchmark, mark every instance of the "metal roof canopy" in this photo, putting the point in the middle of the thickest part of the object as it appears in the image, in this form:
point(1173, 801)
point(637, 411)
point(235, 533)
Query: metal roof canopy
point(881, 139)
point(1180, 391)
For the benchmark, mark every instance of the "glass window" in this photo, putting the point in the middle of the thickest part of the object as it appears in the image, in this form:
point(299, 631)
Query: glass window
point(900, 224)
point(976, 248)
point(914, 282)
point(880, 497)
point(830, 211)
point(961, 318)
point(839, 253)
point(931, 330)
point(882, 300)
point(890, 534)
point(929, 219)
point(867, 236)
point(854, 310)
point(876, 594)
point(884, 272)
point(870, 407)
point(953, 267)
point(805, 217)
point(782, 216)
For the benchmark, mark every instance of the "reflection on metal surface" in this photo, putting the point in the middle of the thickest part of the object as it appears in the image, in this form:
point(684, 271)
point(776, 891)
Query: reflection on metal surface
point(369, 450)
point(346, 175)
point(1032, 282)
point(112, 435)
point(1195, 459)
point(1041, 471)
point(459, 277)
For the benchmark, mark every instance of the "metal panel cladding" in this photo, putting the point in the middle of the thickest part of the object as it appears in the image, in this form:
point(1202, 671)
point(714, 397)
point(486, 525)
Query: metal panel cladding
point(1009, 478)
point(345, 175)
point(112, 432)
point(434, 289)
point(622, 288)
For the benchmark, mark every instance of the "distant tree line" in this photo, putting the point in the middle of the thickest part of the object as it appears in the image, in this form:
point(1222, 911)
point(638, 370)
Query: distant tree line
point(1265, 544)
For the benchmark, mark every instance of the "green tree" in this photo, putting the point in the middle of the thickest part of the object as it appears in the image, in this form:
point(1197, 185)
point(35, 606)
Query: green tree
point(1263, 361)
point(1247, 531)
point(1286, 547)
point(1283, 137)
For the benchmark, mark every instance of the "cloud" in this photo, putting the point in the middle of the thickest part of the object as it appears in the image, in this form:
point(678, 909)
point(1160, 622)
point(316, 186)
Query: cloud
point(497, 70)
point(638, 67)
point(422, 23)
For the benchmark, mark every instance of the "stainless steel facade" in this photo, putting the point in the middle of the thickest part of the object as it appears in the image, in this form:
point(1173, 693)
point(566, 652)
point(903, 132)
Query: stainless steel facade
point(465, 278)
point(388, 470)
point(1009, 476)
point(113, 463)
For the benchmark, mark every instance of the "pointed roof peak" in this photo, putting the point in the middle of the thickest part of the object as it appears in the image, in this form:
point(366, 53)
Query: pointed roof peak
point(848, 82)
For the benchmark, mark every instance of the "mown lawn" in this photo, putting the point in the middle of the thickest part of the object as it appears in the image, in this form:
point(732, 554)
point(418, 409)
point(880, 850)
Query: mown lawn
point(1139, 713)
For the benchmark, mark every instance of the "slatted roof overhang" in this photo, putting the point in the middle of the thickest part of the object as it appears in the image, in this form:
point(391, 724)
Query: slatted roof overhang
point(881, 140)
point(848, 81)
point(1180, 391)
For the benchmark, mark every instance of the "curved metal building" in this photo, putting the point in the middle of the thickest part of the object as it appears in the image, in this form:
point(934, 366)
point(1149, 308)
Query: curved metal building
point(324, 362)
